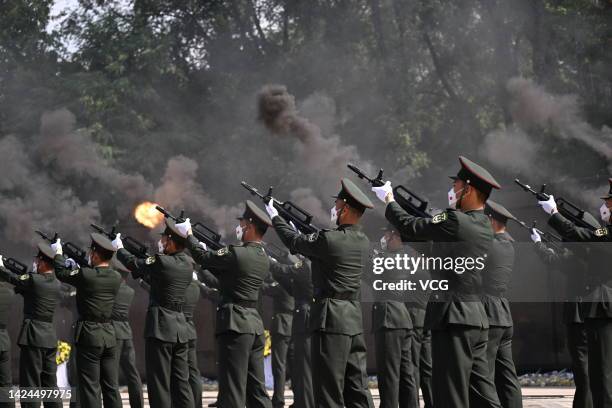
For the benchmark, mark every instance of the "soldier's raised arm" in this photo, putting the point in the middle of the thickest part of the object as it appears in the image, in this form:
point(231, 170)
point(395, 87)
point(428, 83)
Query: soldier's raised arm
point(65, 271)
point(19, 281)
point(311, 245)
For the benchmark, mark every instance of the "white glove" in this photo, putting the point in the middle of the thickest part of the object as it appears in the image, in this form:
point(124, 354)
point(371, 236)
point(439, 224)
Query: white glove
point(117, 243)
point(57, 247)
point(71, 264)
point(272, 259)
point(535, 236)
point(1, 261)
point(549, 206)
point(270, 209)
point(184, 228)
point(203, 245)
point(384, 192)
point(195, 276)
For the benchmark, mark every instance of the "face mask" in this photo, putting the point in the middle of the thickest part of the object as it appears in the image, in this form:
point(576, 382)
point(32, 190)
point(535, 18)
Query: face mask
point(239, 232)
point(383, 243)
point(333, 215)
point(160, 247)
point(452, 198)
point(34, 267)
point(604, 211)
point(89, 260)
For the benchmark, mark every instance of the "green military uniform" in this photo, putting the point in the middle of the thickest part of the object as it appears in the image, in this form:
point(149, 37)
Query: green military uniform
point(68, 302)
point(296, 279)
point(126, 355)
point(37, 338)
point(192, 295)
point(166, 329)
point(6, 378)
point(392, 328)
point(598, 305)
point(282, 318)
point(95, 334)
point(338, 345)
point(421, 348)
point(573, 268)
point(496, 278)
point(211, 294)
point(457, 317)
point(240, 271)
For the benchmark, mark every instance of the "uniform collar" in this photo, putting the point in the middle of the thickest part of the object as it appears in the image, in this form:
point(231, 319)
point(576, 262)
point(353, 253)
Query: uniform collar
point(253, 243)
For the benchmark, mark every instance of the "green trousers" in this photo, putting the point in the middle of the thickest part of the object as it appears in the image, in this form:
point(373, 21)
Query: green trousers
point(599, 337)
point(97, 368)
point(396, 382)
point(301, 372)
point(460, 368)
point(339, 367)
point(126, 360)
point(195, 380)
point(241, 371)
point(501, 367)
point(168, 374)
point(6, 379)
point(37, 368)
point(280, 350)
point(421, 362)
point(579, 354)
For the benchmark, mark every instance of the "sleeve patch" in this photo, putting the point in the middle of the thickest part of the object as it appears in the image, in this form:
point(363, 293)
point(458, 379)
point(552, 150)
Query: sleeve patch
point(150, 260)
point(439, 218)
point(24, 276)
point(74, 272)
point(601, 232)
point(223, 251)
point(313, 237)
point(298, 264)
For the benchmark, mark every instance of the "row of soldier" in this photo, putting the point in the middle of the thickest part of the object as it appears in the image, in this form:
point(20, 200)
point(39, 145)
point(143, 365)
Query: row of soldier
point(456, 347)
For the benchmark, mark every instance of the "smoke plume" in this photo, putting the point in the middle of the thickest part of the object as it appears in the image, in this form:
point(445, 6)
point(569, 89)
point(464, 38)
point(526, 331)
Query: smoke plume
point(320, 158)
point(180, 190)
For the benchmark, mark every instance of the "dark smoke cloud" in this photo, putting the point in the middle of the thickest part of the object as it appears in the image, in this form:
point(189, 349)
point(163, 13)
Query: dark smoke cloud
point(518, 149)
point(321, 159)
point(30, 199)
point(180, 190)
point(71, 153)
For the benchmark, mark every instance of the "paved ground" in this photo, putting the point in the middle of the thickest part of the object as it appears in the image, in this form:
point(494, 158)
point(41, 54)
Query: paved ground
point(532, 397)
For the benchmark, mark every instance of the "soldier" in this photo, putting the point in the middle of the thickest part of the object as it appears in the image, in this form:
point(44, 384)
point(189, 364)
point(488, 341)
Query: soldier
point(240, 270)
point(6, 378)
point(498, 274)
point(282, 317)
point(598, 313)
point(456, 317)
point(169, 273)
point(574, 268)
point(296, 279)
point(392, 327)
point(96, 285)
point(126, 356)
point(37, 337)
point(338, 345)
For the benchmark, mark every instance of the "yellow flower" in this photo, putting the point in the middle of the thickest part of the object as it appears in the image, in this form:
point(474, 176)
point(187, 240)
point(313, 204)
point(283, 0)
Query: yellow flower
point(268, 346)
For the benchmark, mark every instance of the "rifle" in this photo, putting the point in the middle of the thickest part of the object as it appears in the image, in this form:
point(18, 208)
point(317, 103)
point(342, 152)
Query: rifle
point(15, 266)
point(277, 252)
point(132, 245)
point(203, 233)
point(548, 237)
point(287, 210)
point(71, 250)
point(569, 210)
point(408, 200)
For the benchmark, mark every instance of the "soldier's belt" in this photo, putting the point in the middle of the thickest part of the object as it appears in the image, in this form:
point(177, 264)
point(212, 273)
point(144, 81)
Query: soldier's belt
point(46, 319)
point(94, 319)
point(494, 292)
point(322, 294)
point(251, 304)
point(121, 319)
point(174, 306)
